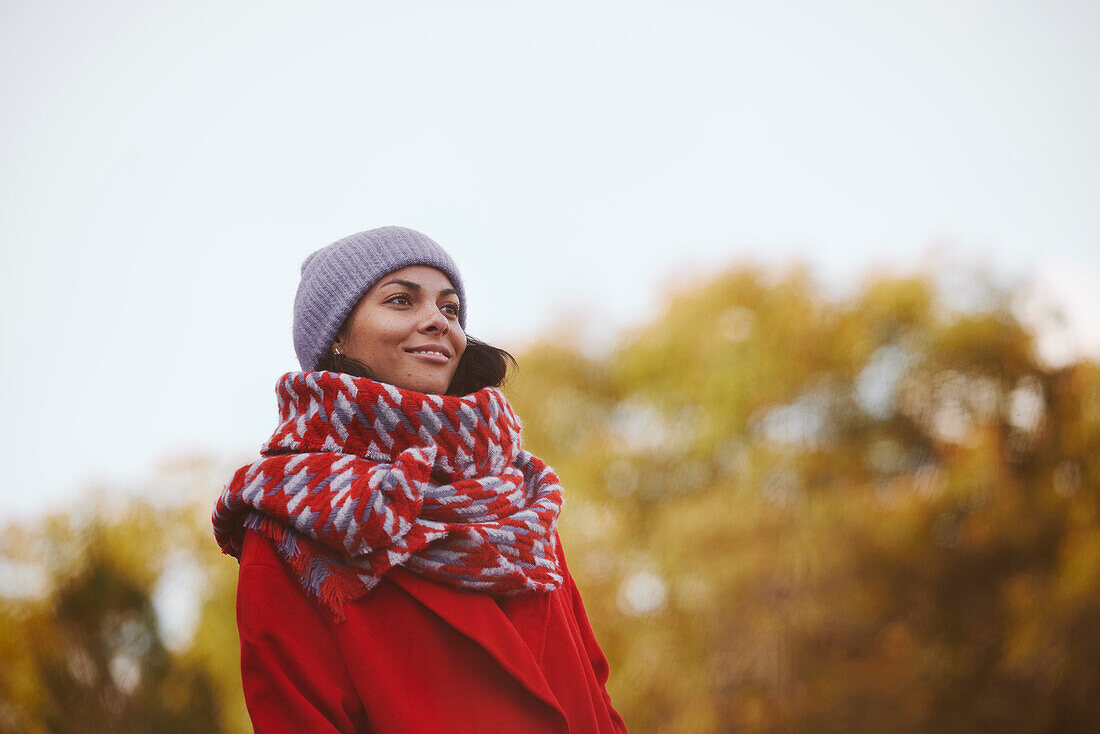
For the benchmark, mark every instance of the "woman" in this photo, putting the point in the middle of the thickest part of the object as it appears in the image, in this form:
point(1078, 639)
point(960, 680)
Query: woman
point(400, 569)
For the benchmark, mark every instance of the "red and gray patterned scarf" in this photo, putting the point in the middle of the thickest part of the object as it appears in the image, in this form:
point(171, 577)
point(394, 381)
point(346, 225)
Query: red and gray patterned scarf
point(361, 476)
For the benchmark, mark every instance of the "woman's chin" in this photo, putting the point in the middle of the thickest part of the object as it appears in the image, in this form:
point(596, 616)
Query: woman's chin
point(427, 385)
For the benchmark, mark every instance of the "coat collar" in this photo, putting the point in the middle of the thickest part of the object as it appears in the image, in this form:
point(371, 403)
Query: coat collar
point(477, 616)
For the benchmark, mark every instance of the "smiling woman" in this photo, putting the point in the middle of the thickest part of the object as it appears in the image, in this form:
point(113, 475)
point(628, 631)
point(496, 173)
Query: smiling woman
point(406, 330)
point(413, 310)
point(400, 567)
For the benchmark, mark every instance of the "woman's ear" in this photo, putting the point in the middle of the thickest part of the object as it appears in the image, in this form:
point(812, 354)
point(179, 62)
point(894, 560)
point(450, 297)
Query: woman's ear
point(341, 336)
point(337, 345)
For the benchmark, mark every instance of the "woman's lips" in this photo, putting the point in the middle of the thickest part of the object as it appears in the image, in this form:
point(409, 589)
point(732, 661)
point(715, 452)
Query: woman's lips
point(433, 357)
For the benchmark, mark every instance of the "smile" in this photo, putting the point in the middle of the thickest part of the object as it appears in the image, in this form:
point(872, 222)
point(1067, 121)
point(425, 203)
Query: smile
point(431, 355)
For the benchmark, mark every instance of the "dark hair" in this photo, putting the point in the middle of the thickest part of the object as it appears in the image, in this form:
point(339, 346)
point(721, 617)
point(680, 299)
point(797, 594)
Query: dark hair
point(482, 365)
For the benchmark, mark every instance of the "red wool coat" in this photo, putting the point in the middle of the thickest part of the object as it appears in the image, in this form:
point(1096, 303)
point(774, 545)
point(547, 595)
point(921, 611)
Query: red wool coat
point(416, 656)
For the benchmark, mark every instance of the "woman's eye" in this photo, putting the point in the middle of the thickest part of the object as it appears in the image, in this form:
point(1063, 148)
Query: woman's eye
point(452, 308)
point(399, 298)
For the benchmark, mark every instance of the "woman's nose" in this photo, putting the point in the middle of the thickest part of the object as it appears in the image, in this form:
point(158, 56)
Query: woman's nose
point(435, 320)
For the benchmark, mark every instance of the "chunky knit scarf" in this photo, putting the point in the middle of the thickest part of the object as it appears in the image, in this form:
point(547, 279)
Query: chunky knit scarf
point(361, 476)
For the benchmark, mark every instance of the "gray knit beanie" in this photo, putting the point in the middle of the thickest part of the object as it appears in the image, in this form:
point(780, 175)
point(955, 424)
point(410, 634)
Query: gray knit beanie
point(335, 277)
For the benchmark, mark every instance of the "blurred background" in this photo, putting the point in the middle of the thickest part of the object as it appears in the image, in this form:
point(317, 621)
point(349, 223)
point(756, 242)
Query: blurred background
point(803, 294)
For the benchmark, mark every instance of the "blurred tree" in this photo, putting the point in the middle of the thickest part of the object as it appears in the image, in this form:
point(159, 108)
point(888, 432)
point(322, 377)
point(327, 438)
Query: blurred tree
point(104, 667)
point(787, 512)
point(798, 513)
point(90, 654)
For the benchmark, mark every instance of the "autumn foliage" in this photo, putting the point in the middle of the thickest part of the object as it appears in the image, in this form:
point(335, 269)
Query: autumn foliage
point(787, 512)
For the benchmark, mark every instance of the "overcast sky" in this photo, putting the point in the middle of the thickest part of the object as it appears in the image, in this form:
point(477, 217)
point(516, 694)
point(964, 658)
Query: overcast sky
point(166, 166)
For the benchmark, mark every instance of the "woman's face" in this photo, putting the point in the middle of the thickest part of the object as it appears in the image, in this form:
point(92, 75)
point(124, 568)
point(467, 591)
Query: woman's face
point(405, 328)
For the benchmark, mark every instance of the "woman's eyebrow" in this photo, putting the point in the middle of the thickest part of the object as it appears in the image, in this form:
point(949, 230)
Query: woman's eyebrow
point(416, 286)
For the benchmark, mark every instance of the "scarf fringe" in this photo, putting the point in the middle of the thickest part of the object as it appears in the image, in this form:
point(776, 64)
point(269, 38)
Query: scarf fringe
point(315, 572)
